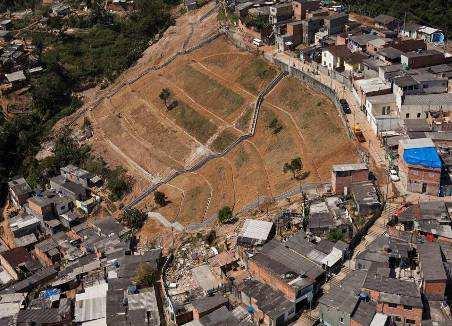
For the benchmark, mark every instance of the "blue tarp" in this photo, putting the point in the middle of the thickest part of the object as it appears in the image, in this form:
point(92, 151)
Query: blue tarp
point(426, 157)
point(49, 293)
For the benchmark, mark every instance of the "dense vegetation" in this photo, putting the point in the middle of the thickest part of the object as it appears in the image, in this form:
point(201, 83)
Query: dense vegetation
point(435, 13)
point(13, 5)
point(102, 47)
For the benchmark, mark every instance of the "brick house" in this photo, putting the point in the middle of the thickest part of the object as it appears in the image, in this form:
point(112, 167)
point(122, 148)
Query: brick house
point(419, 166)
point(267, 305)
point(15, 262)
point(343, 175)
point(77, 175)
point(429, 219)
point(434, 278)
point(401, 300)
point(47, 252)
point(288, 271)
point(385, 21)
point(423, 58)
point(301, 7)
point(43, 204)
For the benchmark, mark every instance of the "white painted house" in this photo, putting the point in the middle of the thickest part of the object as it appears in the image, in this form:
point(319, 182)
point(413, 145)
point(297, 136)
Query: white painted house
point(382, 113)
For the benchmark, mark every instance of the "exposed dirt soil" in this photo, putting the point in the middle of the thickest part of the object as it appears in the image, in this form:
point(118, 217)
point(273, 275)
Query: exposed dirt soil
point(215, 88)
point(324, 136)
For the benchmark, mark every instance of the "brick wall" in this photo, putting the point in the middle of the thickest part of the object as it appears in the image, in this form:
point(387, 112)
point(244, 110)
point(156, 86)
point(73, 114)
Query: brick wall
point(339, 182)
point(425, 61)
point(434, 290)
point(42, 257)
point(400, 311)
point(415, 314)
point(267, 277)
point(416, 176)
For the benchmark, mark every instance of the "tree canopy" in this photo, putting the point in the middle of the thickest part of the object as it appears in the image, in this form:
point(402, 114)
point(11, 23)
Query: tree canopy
point(134, 219)
point(435, 13)
point(160, 198)
point(225, 214)
point(106, 46)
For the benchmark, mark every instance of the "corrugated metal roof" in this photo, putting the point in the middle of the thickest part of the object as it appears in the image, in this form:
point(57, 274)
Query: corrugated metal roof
point(429, 99)
point(416, 143)
point(90, 309)
point(256, 229)
point(349, 167)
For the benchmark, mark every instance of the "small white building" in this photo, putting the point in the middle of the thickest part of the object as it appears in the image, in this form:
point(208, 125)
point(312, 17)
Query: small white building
point(382, 113)
point(364, 88)
point(255, 232)
point(430, 34)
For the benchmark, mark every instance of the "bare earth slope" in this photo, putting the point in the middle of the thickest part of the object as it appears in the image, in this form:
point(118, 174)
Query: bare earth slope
point(216, 87)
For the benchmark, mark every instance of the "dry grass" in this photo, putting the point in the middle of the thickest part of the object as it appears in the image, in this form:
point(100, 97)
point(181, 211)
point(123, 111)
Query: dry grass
point(209, 92)
point(224, 139)
point(196, 197)
point(214, 87)
point(250, 72)
point(244, 121)
point(323, 133)
point(193, 122)
point(278, 148)
point(219, 174)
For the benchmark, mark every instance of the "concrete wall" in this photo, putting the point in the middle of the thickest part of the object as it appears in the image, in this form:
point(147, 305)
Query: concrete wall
point(420, 111)
point(330, 61)
point(422, 61)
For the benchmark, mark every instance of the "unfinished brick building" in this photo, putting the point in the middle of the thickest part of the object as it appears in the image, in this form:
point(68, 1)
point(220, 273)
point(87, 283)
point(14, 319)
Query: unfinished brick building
point(344, 175)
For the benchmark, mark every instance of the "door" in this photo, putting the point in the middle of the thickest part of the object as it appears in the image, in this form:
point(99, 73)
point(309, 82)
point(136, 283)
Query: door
point(424, 188)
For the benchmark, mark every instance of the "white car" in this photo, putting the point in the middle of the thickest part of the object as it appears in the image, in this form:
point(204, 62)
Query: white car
point(394, 175)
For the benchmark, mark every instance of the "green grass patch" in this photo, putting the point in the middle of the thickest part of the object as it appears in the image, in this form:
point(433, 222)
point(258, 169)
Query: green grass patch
point(241, 158)
point(243, 123)
point(193, 122)
point(208, 92)
point(256, 75)
point(224, 139)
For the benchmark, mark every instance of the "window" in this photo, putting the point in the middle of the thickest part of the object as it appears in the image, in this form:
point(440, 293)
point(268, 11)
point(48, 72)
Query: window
point(392, 305)
point(425, 85)
point(343, 173)
point(397, 318)
point(410, 321)
point(407, 115)
point(418, 115)
point(407, 307)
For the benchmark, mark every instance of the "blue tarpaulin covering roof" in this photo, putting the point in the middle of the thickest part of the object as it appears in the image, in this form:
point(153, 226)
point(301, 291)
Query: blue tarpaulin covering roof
point(426, 157)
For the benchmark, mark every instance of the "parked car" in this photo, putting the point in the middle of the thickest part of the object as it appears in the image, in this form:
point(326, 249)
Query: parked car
point(359, 134)
point(345, 107)
point(393, 175)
